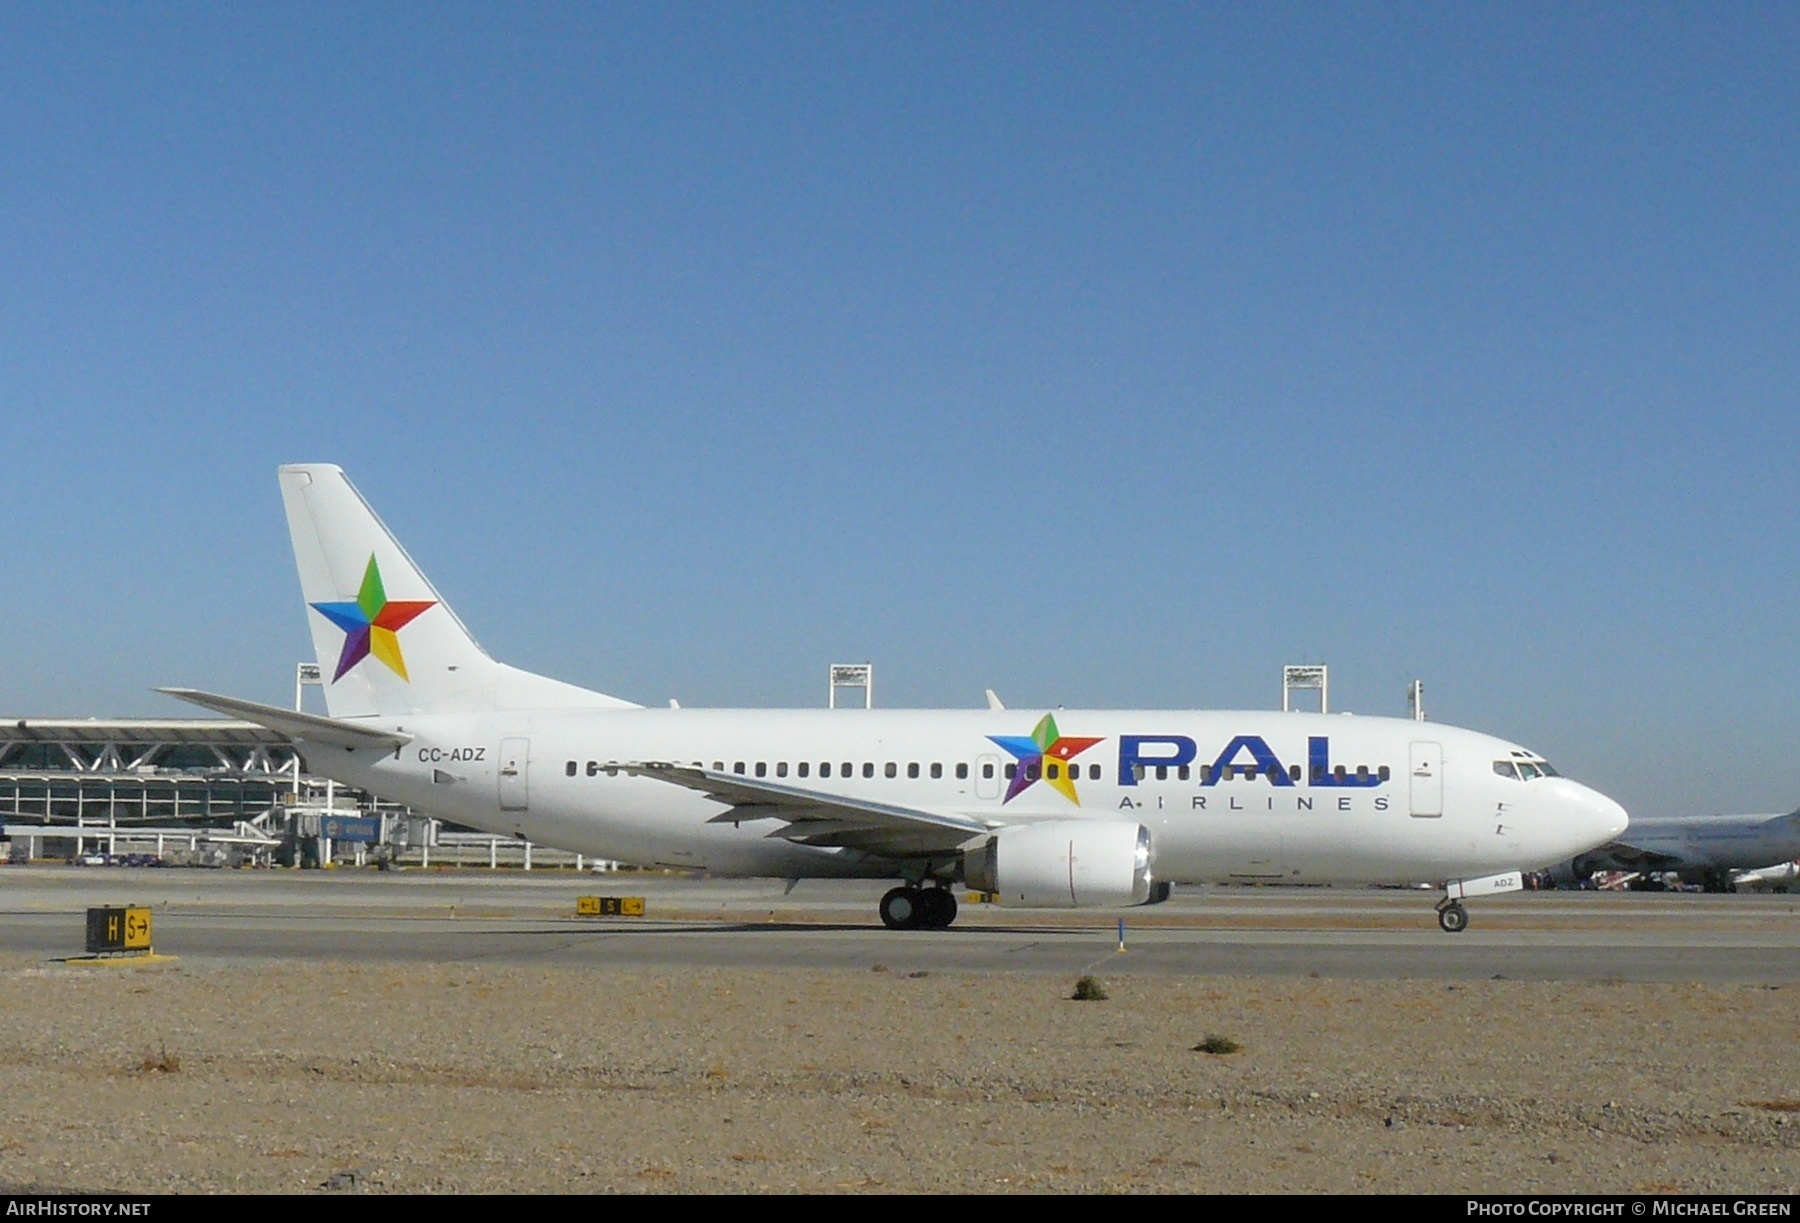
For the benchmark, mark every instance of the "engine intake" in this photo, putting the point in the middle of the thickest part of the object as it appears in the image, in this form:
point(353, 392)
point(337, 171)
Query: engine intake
point(1065, 864)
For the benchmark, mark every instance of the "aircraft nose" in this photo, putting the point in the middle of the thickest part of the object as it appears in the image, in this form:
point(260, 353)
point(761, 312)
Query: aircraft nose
point(1605, 818)
point(1579, 819)
point(1617, 821)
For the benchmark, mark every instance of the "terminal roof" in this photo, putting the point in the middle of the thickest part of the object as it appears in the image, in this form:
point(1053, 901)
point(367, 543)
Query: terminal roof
point(215, 731)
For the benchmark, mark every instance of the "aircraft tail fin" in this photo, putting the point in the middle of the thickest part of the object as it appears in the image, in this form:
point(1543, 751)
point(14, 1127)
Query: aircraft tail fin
point(387, 642)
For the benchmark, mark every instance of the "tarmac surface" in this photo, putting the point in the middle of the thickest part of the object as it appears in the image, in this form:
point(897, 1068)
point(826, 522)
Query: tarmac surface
point(518, 918)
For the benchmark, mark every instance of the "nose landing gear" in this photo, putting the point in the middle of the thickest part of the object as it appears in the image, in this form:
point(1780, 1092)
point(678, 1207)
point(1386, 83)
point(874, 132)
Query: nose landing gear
point(1452, 917)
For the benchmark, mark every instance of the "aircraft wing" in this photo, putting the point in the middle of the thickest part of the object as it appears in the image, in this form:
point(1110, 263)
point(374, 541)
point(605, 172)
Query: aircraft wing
point(308, 727)
point(828, 820)
point(1620, 856)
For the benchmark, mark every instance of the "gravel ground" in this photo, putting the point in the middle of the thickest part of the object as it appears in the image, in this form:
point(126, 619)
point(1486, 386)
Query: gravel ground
point(484, 1078)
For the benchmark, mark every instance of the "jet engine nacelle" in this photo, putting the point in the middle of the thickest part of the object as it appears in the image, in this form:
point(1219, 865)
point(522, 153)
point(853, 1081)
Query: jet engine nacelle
point(1065, 864)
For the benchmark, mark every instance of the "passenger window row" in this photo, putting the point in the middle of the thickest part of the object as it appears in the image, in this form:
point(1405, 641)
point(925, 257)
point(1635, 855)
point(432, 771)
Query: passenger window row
point(1361, 772)
point(1250, 772)
point(804, 769)
point(1053, 770)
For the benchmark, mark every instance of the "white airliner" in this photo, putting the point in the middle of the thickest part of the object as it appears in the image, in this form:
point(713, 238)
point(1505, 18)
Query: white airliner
point(1703, 849)
point(1066, 810)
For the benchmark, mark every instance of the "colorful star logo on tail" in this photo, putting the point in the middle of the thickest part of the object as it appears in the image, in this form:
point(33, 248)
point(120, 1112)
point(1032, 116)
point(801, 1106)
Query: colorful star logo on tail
point(1045, 744)
point(370, 624)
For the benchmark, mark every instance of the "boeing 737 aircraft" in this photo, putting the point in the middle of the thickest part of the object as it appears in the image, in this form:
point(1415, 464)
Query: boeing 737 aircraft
point(1066, 810)
point(1703, 849)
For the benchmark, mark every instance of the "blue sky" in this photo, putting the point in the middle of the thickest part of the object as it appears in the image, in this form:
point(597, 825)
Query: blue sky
point(1108, 354)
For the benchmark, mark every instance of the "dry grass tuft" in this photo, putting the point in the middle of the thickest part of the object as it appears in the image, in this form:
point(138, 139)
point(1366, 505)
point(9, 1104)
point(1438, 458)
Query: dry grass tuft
point(160, 1062)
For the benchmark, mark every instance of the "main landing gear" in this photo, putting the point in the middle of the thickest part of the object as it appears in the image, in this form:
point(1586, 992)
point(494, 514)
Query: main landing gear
point(1452, 917)
point(909, 908)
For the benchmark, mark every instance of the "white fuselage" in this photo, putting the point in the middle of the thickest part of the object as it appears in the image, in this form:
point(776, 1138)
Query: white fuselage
point(1332, 799)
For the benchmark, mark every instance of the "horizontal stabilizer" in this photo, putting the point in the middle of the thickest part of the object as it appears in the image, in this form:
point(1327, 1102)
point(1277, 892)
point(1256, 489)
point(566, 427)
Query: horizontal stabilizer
point(304, 726)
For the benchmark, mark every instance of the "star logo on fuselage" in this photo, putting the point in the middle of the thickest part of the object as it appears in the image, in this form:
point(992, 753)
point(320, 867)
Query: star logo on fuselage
point(1035, 753)
point(371, 624)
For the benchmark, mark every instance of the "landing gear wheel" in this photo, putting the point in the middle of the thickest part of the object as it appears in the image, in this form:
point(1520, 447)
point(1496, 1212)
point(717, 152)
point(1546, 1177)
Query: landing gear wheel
point(939, 908)
point(1453, 918)
point(903, 908)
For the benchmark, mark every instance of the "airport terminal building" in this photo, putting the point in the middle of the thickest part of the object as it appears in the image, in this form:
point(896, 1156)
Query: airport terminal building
point(204, 771)
point(206, 792)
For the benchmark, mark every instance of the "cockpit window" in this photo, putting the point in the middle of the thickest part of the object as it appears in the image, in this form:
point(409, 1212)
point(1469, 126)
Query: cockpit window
point(1528, 770)
point(1548, 771)
point(1505, 769)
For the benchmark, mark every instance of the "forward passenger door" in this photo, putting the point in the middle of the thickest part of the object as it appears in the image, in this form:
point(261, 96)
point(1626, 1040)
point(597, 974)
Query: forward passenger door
point(1426, 776)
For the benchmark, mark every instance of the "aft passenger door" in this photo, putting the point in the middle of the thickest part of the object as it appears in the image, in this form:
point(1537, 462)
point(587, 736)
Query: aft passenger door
point(515, 770)
point(1427, 780)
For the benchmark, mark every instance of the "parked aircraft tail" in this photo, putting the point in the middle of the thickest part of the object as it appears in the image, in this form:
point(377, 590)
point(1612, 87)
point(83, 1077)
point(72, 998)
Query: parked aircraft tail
point(387, 643)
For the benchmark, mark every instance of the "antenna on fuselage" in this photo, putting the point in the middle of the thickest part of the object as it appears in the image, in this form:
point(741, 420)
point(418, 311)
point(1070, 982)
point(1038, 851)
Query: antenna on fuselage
point(994, 701)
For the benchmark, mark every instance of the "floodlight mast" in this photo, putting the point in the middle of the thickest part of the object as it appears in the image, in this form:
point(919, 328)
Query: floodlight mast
point(306, 673)
point(853, 675)
point(1307, 678)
